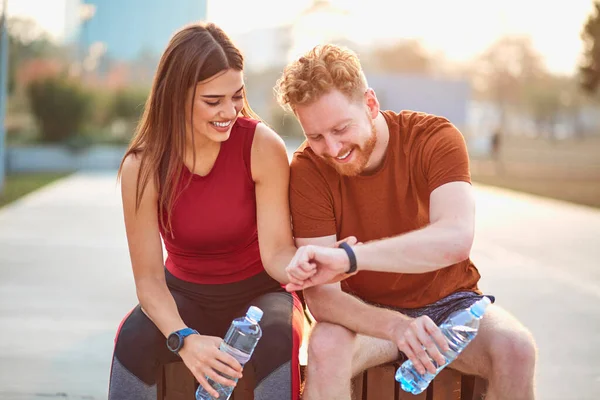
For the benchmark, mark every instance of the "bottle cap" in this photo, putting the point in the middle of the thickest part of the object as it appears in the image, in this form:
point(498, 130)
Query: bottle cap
point(478, 309)
point(254, 313)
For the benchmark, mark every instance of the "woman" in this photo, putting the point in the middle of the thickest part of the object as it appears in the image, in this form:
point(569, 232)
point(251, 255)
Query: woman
point(207, 176)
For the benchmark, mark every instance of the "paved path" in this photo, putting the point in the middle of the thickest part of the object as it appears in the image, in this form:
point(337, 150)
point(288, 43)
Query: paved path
point(65, 284)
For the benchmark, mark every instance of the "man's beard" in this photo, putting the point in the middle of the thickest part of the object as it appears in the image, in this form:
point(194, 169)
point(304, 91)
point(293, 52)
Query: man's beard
point(361, 156)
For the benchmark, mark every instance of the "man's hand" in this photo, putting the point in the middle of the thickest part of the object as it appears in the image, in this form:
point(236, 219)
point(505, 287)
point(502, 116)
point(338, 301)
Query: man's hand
point(421, 341)
point(317, 265)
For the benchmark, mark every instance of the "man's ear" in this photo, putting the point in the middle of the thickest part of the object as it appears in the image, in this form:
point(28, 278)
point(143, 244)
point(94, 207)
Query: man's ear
point(372, 103)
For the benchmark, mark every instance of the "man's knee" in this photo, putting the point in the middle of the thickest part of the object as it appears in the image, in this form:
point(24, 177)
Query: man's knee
point(514, 352)
point(330, 342)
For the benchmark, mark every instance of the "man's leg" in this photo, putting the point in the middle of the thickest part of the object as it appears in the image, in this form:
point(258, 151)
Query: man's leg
point(504, 353)
point(335, 355)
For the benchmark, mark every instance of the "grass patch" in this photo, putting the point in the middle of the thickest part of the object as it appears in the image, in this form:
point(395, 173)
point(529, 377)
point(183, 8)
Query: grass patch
point(567, 171)
point(560, 169)
point(18, 185)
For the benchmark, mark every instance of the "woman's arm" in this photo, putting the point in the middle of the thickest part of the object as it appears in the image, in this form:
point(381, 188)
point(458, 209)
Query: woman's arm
point(271, 174)
point(145, 250)
point(200, 353)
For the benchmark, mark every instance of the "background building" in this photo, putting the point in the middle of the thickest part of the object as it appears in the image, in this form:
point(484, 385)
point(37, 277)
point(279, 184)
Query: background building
point(137, 28)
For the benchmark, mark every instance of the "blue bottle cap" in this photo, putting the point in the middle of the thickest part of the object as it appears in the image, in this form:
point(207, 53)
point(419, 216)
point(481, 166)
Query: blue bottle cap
point(478, 309)
point(254, 313)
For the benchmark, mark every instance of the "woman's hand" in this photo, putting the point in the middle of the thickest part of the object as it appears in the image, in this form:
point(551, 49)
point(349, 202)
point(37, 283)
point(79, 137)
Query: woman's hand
point(203, 358)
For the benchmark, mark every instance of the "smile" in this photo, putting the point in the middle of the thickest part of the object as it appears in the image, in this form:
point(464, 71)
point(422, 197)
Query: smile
point(221, 124)
point(344, 156)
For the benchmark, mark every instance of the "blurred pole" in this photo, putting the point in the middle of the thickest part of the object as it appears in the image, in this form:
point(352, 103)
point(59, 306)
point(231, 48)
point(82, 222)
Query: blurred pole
point(3, 91)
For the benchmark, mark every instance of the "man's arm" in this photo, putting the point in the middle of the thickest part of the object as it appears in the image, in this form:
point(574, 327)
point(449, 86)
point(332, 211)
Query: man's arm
point(328, 303)
point(447, 240)
point(414, 337)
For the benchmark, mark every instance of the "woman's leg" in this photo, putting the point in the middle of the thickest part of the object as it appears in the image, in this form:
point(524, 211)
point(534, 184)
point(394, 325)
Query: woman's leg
point(139, 351)
point(140, 347)
point(275, 359)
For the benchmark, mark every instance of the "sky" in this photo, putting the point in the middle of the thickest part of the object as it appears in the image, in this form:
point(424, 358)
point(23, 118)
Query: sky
point(459, 28)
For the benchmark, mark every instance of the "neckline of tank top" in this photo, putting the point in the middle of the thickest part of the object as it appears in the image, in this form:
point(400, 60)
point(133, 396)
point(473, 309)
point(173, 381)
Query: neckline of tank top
point(215, 164)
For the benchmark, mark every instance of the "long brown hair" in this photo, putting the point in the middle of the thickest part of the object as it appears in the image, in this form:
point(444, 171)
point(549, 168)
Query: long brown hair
point(195, 53)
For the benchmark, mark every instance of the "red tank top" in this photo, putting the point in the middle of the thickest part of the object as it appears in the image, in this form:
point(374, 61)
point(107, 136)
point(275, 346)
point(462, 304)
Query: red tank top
point(214, 238)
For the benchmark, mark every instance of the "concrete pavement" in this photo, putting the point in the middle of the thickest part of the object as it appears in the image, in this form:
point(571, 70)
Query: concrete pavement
point(65, 284)
point(541, 259)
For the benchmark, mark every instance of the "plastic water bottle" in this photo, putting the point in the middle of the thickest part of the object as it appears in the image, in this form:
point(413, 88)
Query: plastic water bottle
point(459, 329)
point(240, 341)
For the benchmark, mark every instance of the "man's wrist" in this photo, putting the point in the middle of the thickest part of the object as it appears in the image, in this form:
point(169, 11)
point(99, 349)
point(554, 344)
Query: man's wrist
point(397, 326)
point(352, 262)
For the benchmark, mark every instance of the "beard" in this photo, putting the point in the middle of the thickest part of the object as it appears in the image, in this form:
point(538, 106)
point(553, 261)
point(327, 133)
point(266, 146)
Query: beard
point(361, 155)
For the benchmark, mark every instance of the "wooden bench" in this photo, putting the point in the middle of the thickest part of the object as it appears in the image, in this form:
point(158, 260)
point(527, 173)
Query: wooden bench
point(378, 383)
point(175, 382)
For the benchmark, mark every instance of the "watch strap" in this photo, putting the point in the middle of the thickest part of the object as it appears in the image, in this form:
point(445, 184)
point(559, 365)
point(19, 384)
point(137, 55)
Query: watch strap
point(351, 257)
point(181, 334)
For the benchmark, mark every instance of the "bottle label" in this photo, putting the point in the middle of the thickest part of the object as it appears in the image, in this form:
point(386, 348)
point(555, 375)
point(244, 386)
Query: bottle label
point(239, 355)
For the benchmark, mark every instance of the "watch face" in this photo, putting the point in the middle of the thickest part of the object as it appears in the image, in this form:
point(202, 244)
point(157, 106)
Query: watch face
point(173, 342)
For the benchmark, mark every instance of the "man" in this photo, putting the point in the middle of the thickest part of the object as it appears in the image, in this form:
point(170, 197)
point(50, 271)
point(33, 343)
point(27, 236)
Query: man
point(399, 183)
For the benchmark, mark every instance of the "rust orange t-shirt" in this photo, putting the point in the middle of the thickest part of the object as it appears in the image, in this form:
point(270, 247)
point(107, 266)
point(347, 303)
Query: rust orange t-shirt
point(424, 152)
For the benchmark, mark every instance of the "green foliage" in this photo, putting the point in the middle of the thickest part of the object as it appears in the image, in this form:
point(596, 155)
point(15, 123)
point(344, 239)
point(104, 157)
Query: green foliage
point(284, 123)
point(102, 109)
point(26, 41)
point(129, 103)
point(18, 185)
point(589, 68)
point(60, 107)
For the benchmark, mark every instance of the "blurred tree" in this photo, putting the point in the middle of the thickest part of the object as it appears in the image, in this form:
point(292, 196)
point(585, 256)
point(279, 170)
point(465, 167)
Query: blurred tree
point(26, 42)
point(126, 110)
point(589, 68)
point(36, 69)
point(101, 113)
point(543, 100)
point(128, 103)
point(505, 68)
point(284, 123)
point(553, 102)
point(259, 91)
point(60, 106)
point(407, 56)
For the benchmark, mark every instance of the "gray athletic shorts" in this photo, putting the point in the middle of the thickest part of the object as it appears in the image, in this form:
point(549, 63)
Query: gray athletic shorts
point(442, 308)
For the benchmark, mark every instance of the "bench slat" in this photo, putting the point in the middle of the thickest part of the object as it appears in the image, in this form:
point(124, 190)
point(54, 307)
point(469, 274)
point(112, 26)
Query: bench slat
point(378, 383)
point(447, 385)
point(178, 382)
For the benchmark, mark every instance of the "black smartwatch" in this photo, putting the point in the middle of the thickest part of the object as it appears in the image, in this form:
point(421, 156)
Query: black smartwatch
point(175, 339)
